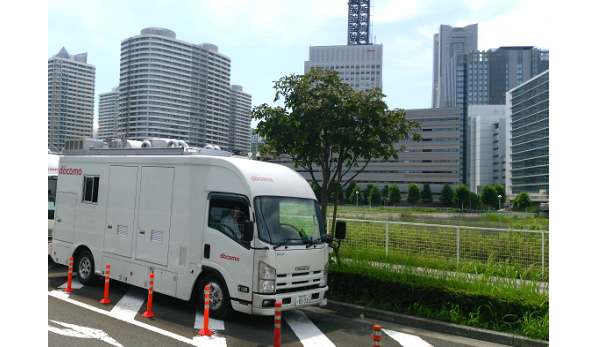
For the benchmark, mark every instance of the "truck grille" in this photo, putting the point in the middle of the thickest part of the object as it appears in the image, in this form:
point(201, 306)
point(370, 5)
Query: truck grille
point(294, 282)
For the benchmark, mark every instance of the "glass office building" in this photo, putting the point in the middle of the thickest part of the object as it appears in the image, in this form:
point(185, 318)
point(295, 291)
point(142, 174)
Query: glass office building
point(528, 158)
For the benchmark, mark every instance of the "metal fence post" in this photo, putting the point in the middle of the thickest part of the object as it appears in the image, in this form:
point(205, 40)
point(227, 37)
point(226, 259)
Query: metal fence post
point(457, 246)
point(542, 233)
point(386, 239)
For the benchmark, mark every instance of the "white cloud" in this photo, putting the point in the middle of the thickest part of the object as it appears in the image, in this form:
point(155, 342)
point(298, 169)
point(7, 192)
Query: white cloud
point(388, 12)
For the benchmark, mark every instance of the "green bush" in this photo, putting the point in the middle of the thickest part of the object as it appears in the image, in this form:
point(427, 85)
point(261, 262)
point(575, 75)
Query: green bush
point(442, 299)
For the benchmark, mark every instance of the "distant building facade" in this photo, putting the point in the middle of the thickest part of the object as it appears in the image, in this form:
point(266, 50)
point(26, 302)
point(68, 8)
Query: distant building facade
point(434, 160)
point(487, 134)
point(447, 43)
point(483, 78)
point(173, 89)
point(107, 117)
point(528, 134)
point(359, 66)
point(71, 97)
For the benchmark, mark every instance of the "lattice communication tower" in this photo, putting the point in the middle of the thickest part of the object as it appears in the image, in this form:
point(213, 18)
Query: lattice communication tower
point(359, 22)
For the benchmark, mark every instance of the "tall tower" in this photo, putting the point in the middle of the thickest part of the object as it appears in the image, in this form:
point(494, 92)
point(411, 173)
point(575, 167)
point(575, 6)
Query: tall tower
point(71, 96)
point(359, 24)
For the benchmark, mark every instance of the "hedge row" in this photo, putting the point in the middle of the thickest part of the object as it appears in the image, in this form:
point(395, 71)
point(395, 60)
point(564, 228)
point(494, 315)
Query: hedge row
point(431, 298)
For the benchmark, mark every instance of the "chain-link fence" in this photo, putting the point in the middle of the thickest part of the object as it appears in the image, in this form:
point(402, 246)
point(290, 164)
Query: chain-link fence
point(448, 244)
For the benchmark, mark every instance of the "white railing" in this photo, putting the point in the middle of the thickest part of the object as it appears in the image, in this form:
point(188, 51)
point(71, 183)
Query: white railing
point(525, 248)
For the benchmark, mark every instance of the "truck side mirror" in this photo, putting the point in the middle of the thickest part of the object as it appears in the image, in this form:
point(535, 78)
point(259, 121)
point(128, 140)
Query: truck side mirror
point(327, 238)
point(249, 230)
point(340, 230)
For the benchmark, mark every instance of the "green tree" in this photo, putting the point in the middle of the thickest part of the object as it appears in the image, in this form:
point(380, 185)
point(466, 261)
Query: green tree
point(474, 201)
point(426, 194)
point(489, 196)
point(522, 201)
point(461, 197)
point(413, 193)
point(326, 126)
point(351, 186)
point(501, 191)
point(375, 195)
point(447, 195)
point(394, 194)
point(354, 196)
point(317, 190)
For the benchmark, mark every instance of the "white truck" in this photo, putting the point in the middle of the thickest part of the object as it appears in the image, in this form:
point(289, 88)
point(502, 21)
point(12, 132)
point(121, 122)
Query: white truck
point(250, 230)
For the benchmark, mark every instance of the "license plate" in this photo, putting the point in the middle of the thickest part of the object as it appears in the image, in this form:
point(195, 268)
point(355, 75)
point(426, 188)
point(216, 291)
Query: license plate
point(301, 300)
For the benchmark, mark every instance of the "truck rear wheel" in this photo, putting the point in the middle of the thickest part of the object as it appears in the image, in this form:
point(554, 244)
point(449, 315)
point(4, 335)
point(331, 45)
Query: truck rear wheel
point(85, 268)
point(219, 307)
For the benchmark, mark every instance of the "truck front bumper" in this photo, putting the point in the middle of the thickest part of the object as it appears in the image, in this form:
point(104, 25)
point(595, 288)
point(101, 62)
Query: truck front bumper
point(263, 304)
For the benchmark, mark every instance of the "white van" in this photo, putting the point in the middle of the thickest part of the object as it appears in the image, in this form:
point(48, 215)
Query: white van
point(250, 230)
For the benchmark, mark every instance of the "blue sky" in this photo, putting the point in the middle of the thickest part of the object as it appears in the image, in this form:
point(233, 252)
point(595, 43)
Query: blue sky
point(269, 39)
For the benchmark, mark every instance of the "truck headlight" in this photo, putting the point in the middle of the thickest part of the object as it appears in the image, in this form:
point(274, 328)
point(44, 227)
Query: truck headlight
point(266, 278)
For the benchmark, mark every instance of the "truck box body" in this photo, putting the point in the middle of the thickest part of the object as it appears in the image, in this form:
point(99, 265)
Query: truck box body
point(165, 214)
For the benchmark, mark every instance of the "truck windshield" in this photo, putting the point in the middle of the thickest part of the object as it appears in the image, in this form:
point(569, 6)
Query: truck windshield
point(288, 221)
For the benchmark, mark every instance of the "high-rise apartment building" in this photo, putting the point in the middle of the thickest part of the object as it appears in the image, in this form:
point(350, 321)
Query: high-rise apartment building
point(528, 135)
point(359, 66)
point(447, 43)
point(108, 114)
point(239, 132)
point(174, 89)
point(71, 88)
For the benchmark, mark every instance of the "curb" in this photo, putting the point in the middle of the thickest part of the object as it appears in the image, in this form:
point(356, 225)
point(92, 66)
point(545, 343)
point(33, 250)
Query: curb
point(438, 326)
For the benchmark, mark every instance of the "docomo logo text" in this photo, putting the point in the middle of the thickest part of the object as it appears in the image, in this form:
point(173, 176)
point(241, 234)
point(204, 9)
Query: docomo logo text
point(261, 179)
point(66, 171)
point(229, 257)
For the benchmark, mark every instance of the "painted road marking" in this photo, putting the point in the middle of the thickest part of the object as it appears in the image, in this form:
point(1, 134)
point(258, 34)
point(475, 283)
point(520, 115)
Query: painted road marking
point(407, 340)
point(82, 332)
point(127, 308)
point(59, 295)
point(305, 329)
point(215, 325)
point(74, 284)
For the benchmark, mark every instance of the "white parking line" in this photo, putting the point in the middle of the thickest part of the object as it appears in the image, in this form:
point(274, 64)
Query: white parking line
point(127, 308)
point(407, 340)
point(305, 329)
point(60, 295)
point(74, 284)
point(215, 325)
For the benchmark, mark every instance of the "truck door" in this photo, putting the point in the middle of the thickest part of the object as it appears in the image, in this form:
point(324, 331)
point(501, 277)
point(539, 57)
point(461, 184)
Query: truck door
point(120, 216)
point(65, 216)
point(224, 246)
point(155, 210)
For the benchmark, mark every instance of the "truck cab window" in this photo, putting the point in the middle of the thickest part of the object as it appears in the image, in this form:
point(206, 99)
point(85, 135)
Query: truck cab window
point(229, 217)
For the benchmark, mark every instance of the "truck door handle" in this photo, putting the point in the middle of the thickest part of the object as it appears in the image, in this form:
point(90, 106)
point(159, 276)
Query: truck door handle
point(59, 220)
point(142, 232)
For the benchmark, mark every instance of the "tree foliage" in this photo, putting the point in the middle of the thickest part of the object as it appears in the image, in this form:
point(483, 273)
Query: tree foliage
point(413, 193)
point(461, 197)
point(394, 194)
point(522, 201)
point(426, 195)
point(325, 125)
point(489, 196)
point(447, 195)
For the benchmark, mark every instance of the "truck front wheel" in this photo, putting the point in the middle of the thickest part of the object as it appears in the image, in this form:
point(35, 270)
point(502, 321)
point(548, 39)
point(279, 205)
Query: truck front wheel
point(219, 307)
